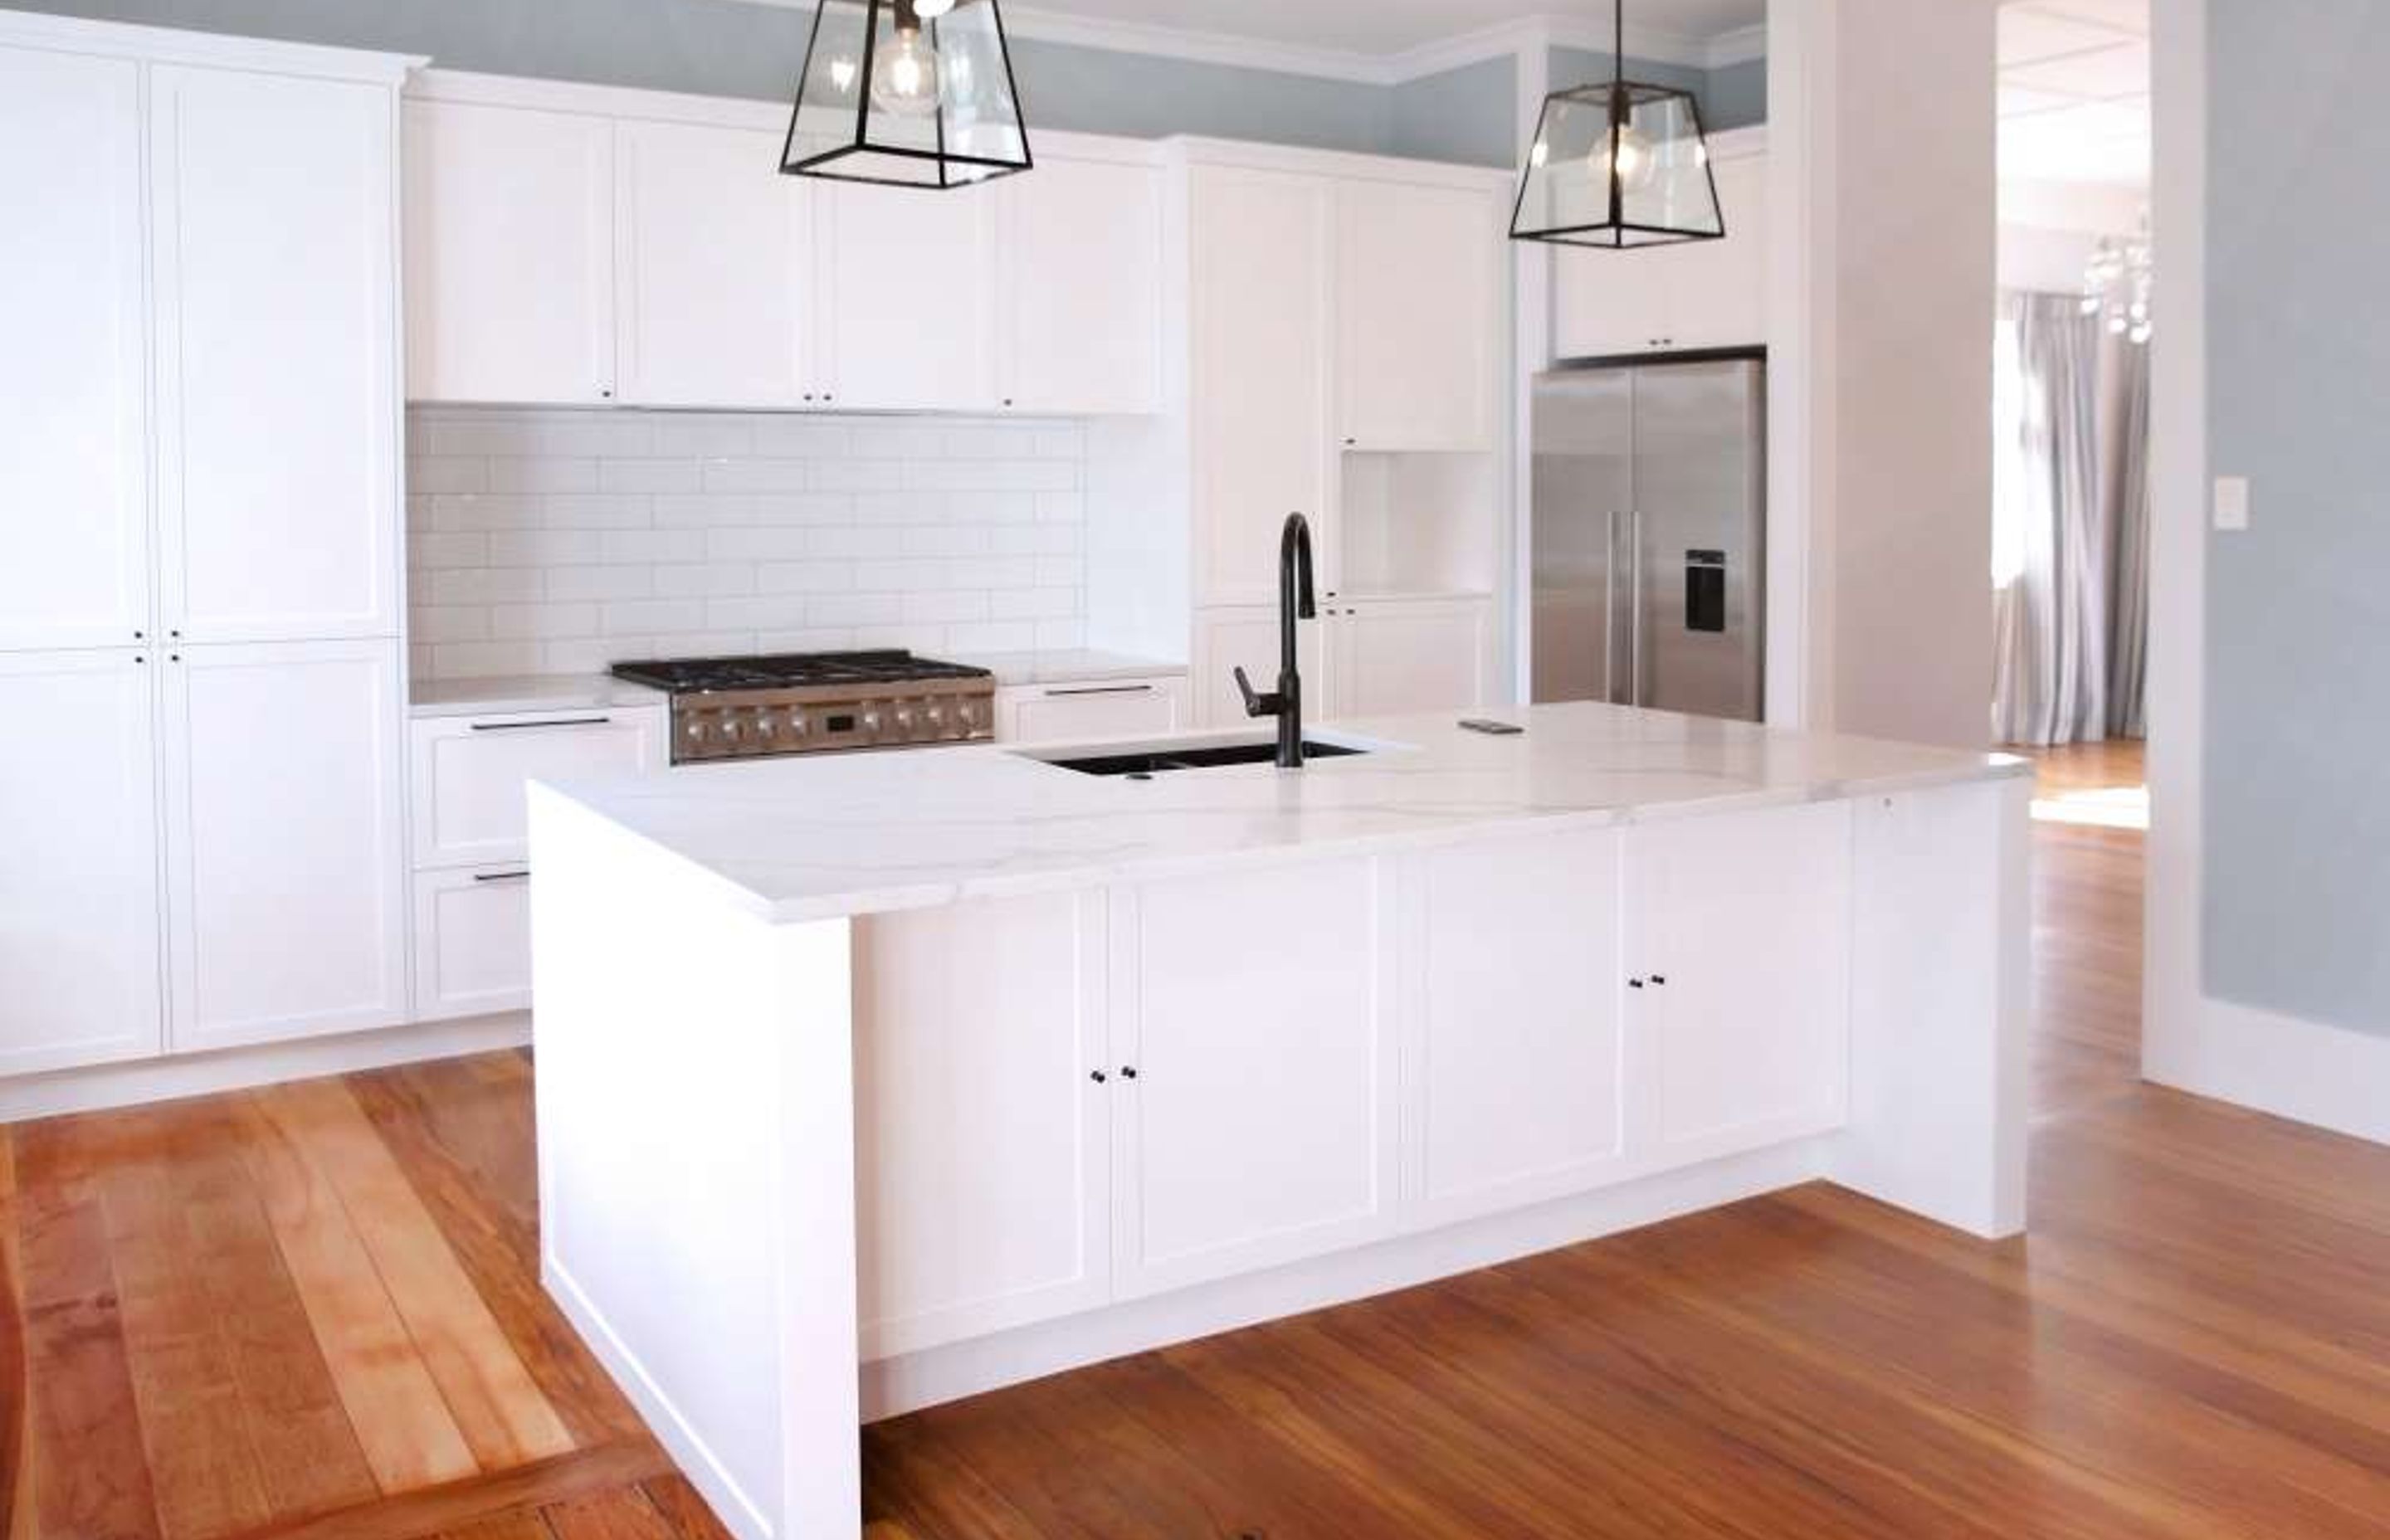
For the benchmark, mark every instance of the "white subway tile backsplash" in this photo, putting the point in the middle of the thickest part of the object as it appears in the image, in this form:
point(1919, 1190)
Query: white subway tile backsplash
point(564, 541)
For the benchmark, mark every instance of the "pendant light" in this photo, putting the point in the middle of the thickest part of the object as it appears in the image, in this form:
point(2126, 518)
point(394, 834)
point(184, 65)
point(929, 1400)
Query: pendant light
point(1617, 165)
point(906, 93)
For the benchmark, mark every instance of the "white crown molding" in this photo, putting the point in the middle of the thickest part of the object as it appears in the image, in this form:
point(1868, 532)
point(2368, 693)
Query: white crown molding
point(173, 45)
point(1502, 40)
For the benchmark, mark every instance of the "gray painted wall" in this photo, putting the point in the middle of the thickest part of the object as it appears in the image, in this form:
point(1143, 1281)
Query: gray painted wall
point(729, 48)
point(1469, 115)
point(2297, 888)
point(1732, 98)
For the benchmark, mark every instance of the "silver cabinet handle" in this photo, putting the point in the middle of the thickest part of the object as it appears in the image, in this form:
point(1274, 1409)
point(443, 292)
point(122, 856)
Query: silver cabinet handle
point(533, 726)
point(1100, 689)
point(1610, 614)
point(1634, 657)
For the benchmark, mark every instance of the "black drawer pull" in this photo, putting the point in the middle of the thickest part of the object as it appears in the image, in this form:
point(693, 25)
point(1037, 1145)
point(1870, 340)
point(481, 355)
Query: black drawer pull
point(502, 876)
point(1100, 689)
point(527, 726)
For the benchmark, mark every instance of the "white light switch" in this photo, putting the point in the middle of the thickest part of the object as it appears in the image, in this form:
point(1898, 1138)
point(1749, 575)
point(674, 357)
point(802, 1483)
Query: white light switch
point(2232, 502)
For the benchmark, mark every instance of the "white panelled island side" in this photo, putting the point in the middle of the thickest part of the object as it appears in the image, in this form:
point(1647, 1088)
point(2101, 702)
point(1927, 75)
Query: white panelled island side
point(870, 1082)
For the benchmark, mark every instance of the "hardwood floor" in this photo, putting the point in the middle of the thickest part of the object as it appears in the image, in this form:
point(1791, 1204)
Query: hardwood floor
point(315, 1311)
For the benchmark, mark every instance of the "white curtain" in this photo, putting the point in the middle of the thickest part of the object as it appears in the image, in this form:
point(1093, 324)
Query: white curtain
point(2054, 545)
point(2128, 652)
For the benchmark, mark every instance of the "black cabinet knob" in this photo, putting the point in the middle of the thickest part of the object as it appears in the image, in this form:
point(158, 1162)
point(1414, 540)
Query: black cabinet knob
point(1659, 980)
point(1128, 1072)
point(1098, 1077)
point(1635, 984)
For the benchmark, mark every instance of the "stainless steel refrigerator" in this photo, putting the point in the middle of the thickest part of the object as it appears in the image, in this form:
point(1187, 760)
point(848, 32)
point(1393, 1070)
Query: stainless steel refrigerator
point(1649, 539)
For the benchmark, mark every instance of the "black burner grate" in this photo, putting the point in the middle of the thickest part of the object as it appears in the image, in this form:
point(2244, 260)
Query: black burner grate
point(793, 670)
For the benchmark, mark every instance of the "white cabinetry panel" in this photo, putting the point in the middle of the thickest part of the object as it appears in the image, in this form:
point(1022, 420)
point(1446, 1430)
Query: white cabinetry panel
point(286, 874)
point(1398, 656)
point(277, 382)
point(1419, 316)
point(79, 883)
point(713, 244)
point(74, 390)
point(1249, 636)
point(472, 942)
point(911, 322)
point(1110, 708)
point(1739, 939)
point(469, 775)
point(981, 1131)
point(1262, 259)
point(509, 255)
point(1082, 311)
point(1518, 1047)
point(1673, 299)
point(1259, 1126)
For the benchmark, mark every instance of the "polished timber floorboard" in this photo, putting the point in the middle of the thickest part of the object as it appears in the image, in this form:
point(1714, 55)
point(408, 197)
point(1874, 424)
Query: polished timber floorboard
point(313, 1312)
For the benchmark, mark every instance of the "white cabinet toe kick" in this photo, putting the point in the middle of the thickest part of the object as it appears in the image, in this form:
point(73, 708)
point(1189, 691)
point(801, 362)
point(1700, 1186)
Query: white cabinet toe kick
point(799, 1175)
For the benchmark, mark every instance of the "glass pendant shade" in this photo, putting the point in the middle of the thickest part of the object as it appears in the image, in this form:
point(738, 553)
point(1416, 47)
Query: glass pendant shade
point(1618, 164)
point(909, 93)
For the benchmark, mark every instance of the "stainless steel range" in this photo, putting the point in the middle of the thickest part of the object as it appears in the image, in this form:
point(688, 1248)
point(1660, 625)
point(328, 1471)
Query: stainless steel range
point(817, 702)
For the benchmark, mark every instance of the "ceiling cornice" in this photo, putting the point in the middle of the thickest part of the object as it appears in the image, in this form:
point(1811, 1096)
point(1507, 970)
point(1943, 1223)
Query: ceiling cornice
point(1457, 52)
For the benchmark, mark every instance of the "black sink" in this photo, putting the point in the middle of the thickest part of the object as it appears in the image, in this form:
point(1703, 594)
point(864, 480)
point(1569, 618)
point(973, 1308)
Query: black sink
point(1162, 761)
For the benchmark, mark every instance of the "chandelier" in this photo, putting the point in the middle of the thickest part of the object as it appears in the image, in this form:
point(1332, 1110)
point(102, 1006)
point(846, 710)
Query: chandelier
point(2118, 284)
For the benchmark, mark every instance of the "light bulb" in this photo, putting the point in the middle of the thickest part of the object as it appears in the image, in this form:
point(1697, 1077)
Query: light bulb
point(905, 79)
point(1637, 166)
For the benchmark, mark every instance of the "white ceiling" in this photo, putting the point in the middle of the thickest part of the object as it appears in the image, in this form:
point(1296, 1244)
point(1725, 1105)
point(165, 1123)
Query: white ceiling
point(2075, 92)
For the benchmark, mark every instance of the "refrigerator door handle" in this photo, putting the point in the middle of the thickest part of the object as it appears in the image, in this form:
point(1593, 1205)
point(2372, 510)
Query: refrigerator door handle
point(1635, 654)
point(1610, 614)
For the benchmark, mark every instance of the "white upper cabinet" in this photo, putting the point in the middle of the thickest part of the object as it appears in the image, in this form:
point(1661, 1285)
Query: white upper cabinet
point(1394, 657)
point(286, 869)
point(1739, 951)
point(1419, 316)
point(1081, 308)
point(1672, 299)
point(712, 243)
point(74, 453)
point(79, 897)
point(1261, 262)
point(509, 255)
point(909, 305)
point(275, 265)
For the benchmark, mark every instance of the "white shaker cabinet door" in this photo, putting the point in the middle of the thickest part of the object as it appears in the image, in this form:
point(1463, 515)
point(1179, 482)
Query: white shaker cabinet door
point(1076, 712)
point(1082, 305)
point(1394, 657)
point(908, 301)
point(276, 267)
point(1738, 958)
point(1517, 1046)
point(79, 898)
point(1253, 1022)
point(1261, 265)
point(1420, 319)
point(1721, 293)
point(983, 1116)
point(74, 450)
point(285, 867)
point(714, 249)
point(509, 255)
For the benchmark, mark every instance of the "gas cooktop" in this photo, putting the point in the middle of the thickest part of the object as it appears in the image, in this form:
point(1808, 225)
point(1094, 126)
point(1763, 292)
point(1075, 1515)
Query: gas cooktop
point(817, 702)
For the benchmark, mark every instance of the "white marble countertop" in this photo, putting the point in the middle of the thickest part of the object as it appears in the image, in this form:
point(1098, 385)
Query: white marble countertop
point(1078, 666)
point(525, 695)
point(805, 839)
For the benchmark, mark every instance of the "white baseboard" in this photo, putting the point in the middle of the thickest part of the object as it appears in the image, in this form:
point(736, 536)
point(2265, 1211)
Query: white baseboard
point(2327, 1076)
point(237, 1068)
point(910, 1381)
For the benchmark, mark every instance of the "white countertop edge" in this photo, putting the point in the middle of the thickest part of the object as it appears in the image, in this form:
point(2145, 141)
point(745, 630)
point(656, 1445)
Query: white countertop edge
point(528, 695)
point(1068, 666)
point(900, 897)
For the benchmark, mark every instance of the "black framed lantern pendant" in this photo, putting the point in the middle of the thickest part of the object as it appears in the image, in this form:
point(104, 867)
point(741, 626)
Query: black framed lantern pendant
point(907, 93)
point(1618, 165)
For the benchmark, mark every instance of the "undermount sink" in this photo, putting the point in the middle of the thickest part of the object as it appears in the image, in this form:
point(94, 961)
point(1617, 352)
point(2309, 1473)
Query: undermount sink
point(1161, 759)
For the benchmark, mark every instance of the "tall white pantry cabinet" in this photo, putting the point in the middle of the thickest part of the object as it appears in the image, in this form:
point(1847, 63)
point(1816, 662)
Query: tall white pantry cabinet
point(201, 811)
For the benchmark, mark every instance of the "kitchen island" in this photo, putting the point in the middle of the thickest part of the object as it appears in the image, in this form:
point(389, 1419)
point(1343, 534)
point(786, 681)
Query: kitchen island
point(871, 1081)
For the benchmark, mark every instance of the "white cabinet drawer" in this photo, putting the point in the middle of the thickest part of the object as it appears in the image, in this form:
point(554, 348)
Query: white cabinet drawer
point(1112, 708)
point(469, 774)
point(472, 942)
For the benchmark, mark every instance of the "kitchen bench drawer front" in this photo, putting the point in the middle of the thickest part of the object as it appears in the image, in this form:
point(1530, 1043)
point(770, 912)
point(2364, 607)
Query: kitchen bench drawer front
point(1091, 709)
point(469, 774)
point(472, 942)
